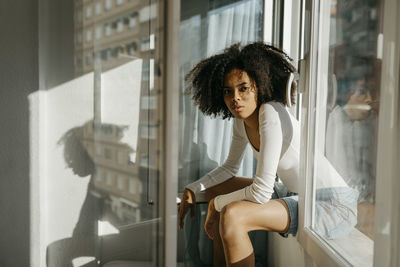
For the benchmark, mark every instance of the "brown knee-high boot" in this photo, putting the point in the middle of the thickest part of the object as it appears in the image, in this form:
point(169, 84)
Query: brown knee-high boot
point(219, 257)
point(249, 261)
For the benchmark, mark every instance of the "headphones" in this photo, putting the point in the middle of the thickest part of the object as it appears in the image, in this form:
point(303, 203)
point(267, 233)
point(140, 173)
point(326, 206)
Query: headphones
point(292, 77)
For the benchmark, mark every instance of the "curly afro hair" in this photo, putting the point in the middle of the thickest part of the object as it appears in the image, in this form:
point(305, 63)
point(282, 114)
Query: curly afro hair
point(267, 66)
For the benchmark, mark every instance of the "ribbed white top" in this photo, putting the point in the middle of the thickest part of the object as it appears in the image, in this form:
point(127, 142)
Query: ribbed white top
point(279, 154)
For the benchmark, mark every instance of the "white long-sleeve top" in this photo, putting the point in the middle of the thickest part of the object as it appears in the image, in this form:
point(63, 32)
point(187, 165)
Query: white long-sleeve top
point(279, 154)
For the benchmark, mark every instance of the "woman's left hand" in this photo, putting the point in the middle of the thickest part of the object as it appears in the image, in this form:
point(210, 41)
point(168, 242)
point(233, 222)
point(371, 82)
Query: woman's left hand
point(211, 220)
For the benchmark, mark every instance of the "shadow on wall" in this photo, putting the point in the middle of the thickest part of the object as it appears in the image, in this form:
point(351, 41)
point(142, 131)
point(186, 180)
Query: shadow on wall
point(86, 154)
point(108, 229)
point(80, 156)
point(84, 238)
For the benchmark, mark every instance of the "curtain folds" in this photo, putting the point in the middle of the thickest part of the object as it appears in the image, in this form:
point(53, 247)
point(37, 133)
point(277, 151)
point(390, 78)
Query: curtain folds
point(205, 141)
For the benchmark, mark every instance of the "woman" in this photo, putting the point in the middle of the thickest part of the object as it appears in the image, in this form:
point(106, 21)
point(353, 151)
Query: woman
point(253, 85)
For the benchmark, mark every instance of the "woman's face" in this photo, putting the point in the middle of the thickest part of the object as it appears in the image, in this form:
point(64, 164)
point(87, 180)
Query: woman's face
point(240, 94)
point(358, 106)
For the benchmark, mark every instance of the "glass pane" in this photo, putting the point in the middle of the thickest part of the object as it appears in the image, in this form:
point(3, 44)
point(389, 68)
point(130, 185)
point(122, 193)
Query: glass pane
point(346, 126)
point(204, 31)
point(206, 28)
point(116, 41)
point(100, 154)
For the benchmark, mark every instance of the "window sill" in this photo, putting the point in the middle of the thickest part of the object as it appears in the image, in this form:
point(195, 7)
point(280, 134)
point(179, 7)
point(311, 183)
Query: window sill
point(356, 247)
point(339, 251)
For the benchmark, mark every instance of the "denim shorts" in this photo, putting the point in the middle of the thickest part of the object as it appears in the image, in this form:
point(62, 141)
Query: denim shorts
point(291, 199)
point(335, 210)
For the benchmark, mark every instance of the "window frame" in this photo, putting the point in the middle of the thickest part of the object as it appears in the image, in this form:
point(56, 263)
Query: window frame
point(318, 250)
point(385, 247)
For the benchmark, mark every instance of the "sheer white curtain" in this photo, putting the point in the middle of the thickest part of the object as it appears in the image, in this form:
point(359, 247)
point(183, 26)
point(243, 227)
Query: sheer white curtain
point(205, 141)
point(232, 24)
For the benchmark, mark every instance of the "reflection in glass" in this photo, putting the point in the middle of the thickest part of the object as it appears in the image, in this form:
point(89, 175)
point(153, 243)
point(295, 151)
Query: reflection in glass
point(352, 106)
point(116, 125)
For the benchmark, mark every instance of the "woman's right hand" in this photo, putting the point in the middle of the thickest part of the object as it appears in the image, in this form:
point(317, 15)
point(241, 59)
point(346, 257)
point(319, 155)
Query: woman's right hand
point(188, 201)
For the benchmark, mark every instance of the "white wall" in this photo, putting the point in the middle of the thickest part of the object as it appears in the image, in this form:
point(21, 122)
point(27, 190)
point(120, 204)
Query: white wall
point(62, 190)
point(286, 252)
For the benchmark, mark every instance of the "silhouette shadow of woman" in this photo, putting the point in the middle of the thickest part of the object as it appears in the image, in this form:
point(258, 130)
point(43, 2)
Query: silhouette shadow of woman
point(83, 242)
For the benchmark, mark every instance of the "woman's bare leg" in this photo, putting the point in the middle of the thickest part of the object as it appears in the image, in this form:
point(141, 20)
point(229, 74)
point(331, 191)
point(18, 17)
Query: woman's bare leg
point(233, 184)
point(239, 218)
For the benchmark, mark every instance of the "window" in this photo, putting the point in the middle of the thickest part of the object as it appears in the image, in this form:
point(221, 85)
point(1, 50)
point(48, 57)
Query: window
point(78, 61)
point(108, 4)
point(140, 187)
point(121, 157)
point(120, 2)
point(120, 25)
point(98, 175)
point(116, 104)
point(109, 178)
point(103, 129)
point(98, 32)
point(79, 15)
point(114, 24)
point(115, 51)
point(131, 48)
point(341, 164)
point(346, 127)
point(88, 36)
point(106, 54)
point(119, 131)
point(121, 182)
point(145, 44)
point(132, 186)
point(144, 160)
point(88, 60)
point(107, 153)
point(79, 37)
point(98, 151)
point(88, 12)
point(147, 13)
point(107, 29)
point(97, 9)
point(132, 20)
point(97, 56)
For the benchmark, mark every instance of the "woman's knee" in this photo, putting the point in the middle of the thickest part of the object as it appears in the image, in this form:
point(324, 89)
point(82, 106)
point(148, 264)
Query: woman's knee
point(231, 220)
